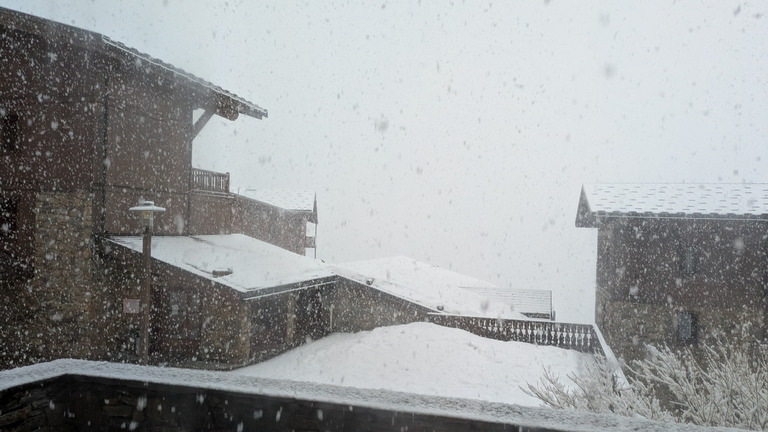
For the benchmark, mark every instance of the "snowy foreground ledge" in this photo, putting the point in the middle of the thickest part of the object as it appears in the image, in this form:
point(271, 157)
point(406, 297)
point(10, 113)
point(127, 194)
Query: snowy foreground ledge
point(395, 402)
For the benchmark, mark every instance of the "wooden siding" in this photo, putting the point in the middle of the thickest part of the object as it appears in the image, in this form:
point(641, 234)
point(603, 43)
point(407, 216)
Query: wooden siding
point(210, 213)
point(642, 260)
point(279, 227)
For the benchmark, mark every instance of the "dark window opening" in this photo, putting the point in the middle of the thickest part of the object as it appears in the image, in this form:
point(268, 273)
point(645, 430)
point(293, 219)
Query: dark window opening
point(9, 133)
point(687, 327)
point(15, 253)
point(689, 261)
point(9, 218)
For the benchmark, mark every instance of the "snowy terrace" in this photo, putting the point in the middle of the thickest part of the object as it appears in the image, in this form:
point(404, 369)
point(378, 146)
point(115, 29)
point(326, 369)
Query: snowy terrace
point(76, 394)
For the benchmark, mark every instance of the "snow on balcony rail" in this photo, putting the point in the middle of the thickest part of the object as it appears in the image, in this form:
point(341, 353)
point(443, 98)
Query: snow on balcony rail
point(579, 337)
point(209, 181)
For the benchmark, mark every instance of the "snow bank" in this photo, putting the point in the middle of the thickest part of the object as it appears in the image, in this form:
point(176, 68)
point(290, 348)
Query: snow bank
point(425, 359)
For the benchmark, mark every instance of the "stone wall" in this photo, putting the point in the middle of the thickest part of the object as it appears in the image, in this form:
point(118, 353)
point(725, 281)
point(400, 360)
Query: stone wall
point(224, 333)
point(194, 320)
point(17, 239)
point(52, 315)
point(354, 307)
point(283, 321)
point(31, 407)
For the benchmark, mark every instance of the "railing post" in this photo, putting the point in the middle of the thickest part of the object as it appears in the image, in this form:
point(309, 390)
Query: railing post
point(209, 180)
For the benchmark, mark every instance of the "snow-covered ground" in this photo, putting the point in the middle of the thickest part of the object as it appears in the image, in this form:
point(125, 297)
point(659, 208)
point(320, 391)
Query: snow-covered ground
point(425, 359)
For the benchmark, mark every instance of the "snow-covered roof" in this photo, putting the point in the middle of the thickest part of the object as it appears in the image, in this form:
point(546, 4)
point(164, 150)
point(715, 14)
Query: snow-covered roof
point(428, 285)
point(256, 266)
point(673, 201)
point(297, 200)
point(226, 104)
point(288, 199)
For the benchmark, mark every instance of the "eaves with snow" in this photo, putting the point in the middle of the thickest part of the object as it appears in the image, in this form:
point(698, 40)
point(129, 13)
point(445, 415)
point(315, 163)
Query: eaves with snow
point(237, 261)
point(671, 201)
point(208, 96)
point(294, 200)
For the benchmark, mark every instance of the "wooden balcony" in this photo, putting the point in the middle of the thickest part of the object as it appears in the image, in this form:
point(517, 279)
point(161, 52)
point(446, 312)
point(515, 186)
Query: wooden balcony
point(209, 181)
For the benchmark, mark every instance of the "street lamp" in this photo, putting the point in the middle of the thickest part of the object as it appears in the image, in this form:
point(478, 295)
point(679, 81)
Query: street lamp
point(147, 209)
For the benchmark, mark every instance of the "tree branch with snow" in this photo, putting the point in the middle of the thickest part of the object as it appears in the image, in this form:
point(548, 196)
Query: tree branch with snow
point(724, 385)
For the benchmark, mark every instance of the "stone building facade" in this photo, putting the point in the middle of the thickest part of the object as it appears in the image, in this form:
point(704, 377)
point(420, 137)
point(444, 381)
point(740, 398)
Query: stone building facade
point(678, 265)
point(89, 126)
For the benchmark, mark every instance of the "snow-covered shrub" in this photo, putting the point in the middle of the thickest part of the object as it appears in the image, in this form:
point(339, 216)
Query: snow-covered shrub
point(723, 385)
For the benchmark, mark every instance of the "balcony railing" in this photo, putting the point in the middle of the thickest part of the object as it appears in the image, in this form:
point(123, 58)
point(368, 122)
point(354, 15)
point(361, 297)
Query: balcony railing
point(209, 181)
point(579, 337)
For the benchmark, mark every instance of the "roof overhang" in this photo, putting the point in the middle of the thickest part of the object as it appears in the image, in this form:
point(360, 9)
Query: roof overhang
point(207, 95)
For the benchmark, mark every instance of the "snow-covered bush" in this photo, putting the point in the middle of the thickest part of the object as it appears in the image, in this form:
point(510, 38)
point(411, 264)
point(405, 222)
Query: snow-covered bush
point(721, 386)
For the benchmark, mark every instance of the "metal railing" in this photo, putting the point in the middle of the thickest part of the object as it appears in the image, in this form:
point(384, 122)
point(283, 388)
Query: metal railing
point(579, 337)
point(210, 181)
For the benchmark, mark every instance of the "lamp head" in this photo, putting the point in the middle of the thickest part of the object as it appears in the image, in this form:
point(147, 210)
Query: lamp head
point(147, 209)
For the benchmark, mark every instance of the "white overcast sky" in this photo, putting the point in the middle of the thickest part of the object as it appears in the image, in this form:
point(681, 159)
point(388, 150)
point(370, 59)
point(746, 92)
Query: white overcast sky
point(459, 133)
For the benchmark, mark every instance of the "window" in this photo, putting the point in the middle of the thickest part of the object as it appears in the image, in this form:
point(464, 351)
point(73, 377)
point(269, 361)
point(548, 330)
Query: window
point(9, 132)
point(9, 212)
point(689, 261)
point(687, 327)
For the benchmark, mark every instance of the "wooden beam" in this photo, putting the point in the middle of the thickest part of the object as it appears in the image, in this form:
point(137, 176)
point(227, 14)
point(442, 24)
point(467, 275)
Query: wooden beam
point(202, 121)
point(227, 108)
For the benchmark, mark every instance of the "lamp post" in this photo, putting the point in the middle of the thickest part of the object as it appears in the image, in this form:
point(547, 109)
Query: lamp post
point(147, 209)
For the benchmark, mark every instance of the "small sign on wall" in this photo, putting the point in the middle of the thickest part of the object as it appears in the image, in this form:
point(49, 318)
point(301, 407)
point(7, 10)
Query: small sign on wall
point(131, 306)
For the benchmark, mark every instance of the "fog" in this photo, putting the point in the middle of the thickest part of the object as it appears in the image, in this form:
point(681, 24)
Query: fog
point(459, 133)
